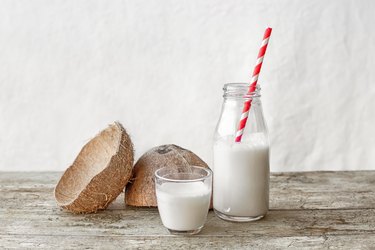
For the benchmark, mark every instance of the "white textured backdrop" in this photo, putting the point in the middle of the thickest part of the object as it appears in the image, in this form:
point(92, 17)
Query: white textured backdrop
point(70, 67)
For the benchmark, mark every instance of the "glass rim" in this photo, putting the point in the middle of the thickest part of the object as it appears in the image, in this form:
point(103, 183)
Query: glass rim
point(207, 170)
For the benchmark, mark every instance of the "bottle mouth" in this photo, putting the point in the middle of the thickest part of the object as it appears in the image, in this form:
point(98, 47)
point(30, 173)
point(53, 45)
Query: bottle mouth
point(240, 90)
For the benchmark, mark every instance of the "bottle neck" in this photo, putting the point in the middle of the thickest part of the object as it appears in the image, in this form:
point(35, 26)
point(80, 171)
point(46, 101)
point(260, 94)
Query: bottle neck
point(240, 91)
point(235, 95)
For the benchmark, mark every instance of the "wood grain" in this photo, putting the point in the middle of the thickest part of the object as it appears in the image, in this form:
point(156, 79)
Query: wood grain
point(308, 210)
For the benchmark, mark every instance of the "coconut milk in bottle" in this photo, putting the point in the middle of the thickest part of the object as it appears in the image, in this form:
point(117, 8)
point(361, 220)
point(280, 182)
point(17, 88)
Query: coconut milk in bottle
point(241, 169)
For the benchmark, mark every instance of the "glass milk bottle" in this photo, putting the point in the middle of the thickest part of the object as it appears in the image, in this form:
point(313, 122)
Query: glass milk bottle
point(241, 169)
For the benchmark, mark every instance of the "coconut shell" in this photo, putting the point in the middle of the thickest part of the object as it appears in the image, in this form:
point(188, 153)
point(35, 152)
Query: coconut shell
point(140, 191)
point(99, 173)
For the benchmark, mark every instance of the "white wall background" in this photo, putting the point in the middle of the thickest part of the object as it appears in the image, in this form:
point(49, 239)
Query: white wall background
point(70, 67)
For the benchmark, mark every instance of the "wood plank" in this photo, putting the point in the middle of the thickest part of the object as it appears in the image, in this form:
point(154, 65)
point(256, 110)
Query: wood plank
point(147, 222)
point(323, 190)
point(307, 190)
point(196, 242)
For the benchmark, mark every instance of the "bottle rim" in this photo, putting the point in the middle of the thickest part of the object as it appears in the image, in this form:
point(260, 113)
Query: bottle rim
point(240, 90)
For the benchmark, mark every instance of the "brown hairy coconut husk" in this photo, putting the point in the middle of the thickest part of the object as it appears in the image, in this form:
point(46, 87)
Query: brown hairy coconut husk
point(140, 191)
point(99, 173)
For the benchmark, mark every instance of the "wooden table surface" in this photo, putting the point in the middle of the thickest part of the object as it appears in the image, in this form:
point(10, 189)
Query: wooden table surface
point(307, 210)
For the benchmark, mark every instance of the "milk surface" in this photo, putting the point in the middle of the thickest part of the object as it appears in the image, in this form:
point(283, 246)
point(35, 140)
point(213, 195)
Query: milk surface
point(241, 177)
point(183, 206)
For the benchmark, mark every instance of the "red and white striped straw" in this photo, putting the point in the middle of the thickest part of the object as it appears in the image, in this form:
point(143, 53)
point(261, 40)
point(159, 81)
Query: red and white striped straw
point(253, 84)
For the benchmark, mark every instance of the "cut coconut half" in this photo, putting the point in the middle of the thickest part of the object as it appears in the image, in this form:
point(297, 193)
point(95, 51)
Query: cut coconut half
point(140, 191)
point(99, 173)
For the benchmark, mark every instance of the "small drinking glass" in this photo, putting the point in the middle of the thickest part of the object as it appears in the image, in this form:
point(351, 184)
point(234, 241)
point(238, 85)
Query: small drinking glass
point(183, 196)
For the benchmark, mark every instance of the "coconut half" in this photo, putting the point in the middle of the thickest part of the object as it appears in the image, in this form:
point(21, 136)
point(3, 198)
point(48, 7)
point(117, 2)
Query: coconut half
point(140, 191)
point(99, 173)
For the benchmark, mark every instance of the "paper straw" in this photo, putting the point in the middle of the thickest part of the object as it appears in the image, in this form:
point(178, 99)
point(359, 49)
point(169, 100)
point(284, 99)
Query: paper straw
point(253, 84)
